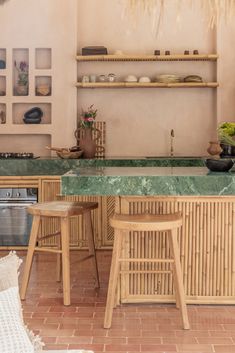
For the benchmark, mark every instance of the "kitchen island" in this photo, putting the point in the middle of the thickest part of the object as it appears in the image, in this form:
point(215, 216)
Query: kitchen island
point(207, 241)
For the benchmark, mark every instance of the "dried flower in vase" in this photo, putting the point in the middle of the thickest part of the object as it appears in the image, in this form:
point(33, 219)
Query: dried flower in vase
point(22, 69)
point(88, 117)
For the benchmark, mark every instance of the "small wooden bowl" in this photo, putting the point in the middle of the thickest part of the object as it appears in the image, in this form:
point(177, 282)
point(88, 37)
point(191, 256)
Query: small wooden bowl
point(69, 155)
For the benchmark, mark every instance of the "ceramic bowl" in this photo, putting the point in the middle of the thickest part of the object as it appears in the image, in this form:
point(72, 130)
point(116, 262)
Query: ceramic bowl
point(219, 165)
point(144, 79)
point(69, 155)
point(131, 78)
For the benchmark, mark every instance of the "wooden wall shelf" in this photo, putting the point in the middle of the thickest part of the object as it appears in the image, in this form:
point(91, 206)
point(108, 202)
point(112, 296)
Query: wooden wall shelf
point(174, 57)
point(147, 85)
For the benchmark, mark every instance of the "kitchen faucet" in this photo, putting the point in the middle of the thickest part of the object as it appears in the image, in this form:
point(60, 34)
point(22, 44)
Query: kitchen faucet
point(172, 143)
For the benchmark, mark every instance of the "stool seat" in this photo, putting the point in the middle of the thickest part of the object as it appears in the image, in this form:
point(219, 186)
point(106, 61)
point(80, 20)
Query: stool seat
point(61, 208)
point(146, 221)
point(123, 224)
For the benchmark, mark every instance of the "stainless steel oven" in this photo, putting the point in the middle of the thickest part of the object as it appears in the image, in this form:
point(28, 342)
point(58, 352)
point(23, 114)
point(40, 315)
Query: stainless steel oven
point(15, 222)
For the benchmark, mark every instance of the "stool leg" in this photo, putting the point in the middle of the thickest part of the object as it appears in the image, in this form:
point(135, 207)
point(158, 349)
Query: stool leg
point(174, 274)
point(58, 260)
point(65, 231)
point(179, 278)
point(91, 245)
point(29, 258)
point(113, 278)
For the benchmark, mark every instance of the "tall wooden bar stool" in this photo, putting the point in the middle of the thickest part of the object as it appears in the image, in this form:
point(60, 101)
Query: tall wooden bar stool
point(122, 224)
point(62, 210)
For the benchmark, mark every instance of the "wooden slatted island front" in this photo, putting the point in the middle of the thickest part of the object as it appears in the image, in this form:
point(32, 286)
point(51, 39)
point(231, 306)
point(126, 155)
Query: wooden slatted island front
point(207, 241)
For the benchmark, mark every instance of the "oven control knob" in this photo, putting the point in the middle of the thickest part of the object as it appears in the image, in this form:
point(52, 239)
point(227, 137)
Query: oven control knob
point(18, 194)
point(8, 194)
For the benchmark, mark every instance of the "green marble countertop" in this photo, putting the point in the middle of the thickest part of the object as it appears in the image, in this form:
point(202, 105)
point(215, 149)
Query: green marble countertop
point(57, 166)
point(147, 181)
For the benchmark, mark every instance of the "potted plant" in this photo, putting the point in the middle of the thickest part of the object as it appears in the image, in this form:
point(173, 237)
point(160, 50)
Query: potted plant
point(226, 133)
point(23, 78)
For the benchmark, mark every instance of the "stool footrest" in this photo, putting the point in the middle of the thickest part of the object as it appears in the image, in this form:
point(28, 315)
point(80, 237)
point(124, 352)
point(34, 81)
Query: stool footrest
point(147, 260)
point(55, 251)
point(144, 271)
point(49, 236)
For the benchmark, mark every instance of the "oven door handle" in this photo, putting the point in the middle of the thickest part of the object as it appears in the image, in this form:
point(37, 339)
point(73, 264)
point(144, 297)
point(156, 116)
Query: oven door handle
point(16, 204)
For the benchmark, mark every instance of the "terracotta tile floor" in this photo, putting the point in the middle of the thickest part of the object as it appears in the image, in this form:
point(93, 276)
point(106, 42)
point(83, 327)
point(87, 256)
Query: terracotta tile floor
point(135, 328)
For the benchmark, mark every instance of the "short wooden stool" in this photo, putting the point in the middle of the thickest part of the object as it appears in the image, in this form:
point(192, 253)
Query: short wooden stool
point(62, 210)
point(122, 224)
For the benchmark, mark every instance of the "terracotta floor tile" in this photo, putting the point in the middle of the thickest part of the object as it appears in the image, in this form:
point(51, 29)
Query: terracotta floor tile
point(135, 328)
point(144, 340)
point(122, 348)
point(224, 348)
point(215, 340)
point(158, 348)
point(195, 347)
point(74, 340)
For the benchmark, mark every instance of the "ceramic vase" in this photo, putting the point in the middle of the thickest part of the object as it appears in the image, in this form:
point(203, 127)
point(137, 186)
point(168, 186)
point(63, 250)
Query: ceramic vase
point(87, 144)
point(214, 148)
point(21, 90)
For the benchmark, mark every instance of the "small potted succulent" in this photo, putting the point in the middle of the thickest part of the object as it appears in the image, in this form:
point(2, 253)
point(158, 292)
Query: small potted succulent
point(226, 134)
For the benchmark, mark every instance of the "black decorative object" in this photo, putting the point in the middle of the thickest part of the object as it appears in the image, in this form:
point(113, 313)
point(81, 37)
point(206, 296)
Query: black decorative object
point(94, 50)
point(228, 151)
point(2, 64)
point(219, 165)
point(33, 116)
point(157, 52)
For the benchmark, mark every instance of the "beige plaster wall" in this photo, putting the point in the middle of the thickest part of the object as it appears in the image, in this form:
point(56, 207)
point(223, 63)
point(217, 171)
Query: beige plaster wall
point(41, 24)
point(139, 120)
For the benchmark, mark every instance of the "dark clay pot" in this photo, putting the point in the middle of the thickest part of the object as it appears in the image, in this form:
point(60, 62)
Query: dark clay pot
point(228, 151)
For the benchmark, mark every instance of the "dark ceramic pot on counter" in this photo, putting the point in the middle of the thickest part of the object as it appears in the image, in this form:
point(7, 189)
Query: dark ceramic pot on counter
point(227, 151)
point(219, 165)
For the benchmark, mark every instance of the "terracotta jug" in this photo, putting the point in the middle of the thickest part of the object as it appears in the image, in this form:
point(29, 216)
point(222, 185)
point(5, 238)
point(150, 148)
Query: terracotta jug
point(87, 143)
point(214, 149)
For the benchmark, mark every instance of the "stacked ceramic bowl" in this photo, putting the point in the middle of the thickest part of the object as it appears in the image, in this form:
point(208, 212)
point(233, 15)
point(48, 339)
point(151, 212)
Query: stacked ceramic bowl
point(168, 78)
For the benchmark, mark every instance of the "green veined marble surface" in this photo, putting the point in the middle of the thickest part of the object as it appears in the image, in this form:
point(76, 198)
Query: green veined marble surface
point(147, 181)
point(56, 166)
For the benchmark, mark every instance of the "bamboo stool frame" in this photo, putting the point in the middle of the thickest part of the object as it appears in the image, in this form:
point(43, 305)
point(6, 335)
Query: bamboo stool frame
point(122, 225)
point(62, 210)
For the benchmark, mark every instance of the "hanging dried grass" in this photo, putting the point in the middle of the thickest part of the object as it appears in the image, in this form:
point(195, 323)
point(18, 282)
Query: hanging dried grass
point(214, 10)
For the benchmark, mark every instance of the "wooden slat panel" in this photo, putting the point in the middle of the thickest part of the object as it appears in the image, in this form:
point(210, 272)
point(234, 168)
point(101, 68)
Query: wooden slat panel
point(207, 250)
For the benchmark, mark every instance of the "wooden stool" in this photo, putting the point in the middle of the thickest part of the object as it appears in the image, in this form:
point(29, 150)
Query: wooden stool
point(62, 210)
point(122, 224)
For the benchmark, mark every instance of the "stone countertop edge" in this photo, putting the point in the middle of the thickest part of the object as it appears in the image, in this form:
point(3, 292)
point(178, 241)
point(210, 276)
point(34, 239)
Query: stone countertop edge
point(56, 166)
point(171, 181)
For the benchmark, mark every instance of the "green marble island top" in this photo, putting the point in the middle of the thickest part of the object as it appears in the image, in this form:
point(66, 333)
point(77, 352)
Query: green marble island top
point(57, 166)
point(147, 181)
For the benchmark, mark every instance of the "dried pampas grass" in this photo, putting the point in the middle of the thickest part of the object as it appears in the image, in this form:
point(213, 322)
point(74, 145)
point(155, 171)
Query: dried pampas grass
point(214, 10)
